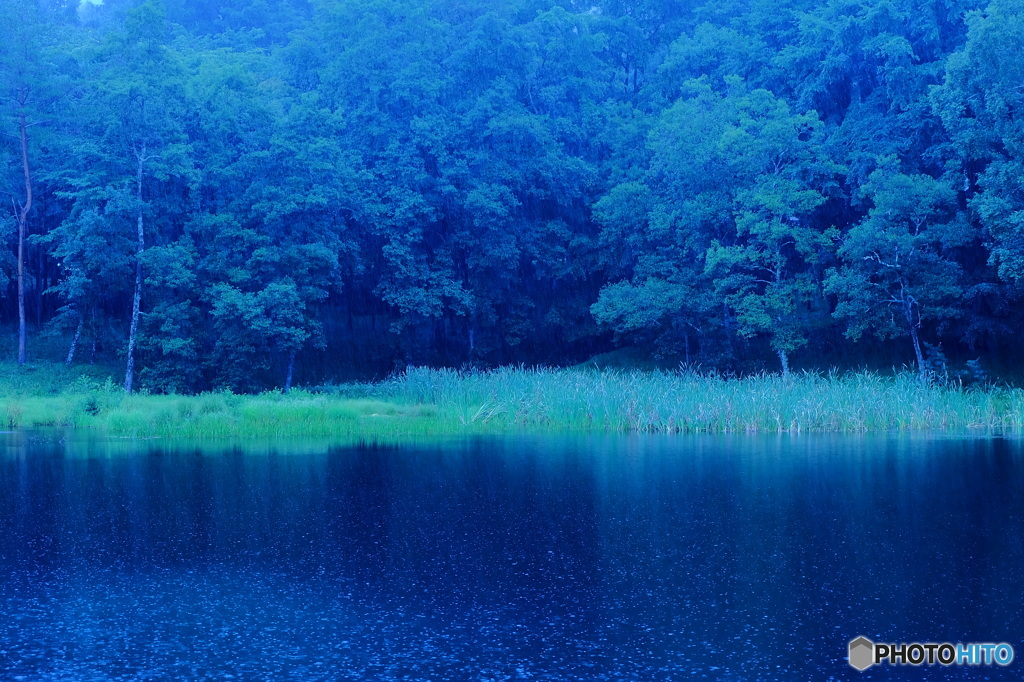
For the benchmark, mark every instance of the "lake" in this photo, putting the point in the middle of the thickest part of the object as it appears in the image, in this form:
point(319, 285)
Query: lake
point(532, 557)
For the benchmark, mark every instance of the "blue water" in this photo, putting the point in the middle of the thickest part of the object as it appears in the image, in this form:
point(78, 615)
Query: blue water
point(532, 558)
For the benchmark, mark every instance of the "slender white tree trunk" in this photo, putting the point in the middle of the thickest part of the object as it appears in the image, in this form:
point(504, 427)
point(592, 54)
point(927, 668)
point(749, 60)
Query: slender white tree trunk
point(22, 221)
point(908, 306)
point(784, 359)
point(74, 341)
point(917, 352)
point(21, 292)
point(291, 368)
point(137, 299)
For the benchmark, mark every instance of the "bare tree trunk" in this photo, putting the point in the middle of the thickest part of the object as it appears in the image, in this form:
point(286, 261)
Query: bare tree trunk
point(137, 299)
point(727, 324)
point(40, 284)
point(784, 359)
point(74, 341)
point(917, 352)
point(21, 289)
point(291, 367)
point(908, 306)
point(22, 221)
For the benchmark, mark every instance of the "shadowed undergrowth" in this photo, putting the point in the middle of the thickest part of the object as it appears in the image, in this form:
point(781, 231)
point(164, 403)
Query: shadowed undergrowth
point(429, 402)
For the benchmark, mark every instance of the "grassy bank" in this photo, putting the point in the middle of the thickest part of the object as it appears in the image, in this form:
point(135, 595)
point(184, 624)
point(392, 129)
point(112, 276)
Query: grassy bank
point(429, 402)
point(443, 401)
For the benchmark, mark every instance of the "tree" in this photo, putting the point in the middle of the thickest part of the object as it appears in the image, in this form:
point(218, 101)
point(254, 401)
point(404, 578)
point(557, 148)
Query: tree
point(132, 136)
point(980, 104)
point(24, 91)
point(272, 230)
point(765, 273)
point(898, 269)
point(734, 183)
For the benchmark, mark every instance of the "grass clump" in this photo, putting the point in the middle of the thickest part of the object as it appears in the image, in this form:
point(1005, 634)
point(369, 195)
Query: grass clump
point(424, 402)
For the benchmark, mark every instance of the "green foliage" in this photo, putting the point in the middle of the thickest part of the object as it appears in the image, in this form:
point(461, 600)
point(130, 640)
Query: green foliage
point(898, 271)
point(980, 104)
point(747, 211)
point(341, 187)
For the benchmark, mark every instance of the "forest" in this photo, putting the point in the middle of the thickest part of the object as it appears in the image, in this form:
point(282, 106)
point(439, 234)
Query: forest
point(248, 193)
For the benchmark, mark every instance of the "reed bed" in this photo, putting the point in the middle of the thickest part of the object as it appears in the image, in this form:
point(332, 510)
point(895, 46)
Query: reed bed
point(425, 402)
point(687, 402)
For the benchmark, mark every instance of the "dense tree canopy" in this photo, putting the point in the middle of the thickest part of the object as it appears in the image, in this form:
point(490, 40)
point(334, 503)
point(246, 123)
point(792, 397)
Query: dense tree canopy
point(244, 194)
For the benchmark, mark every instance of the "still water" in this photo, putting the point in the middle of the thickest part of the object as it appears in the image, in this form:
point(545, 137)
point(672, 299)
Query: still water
point(525, 558)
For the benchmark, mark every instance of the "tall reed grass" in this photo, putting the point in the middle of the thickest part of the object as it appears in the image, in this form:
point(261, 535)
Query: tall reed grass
point(687, 402)
point(424, 402)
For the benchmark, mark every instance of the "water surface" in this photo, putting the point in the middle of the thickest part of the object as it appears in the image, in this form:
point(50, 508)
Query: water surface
point(539, 558)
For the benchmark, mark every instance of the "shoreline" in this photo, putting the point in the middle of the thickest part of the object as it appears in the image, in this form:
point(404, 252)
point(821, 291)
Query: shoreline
point(435, 402)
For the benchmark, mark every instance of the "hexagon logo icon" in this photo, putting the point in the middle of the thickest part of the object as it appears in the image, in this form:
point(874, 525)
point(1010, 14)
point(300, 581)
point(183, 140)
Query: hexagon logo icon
point(862, 653)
